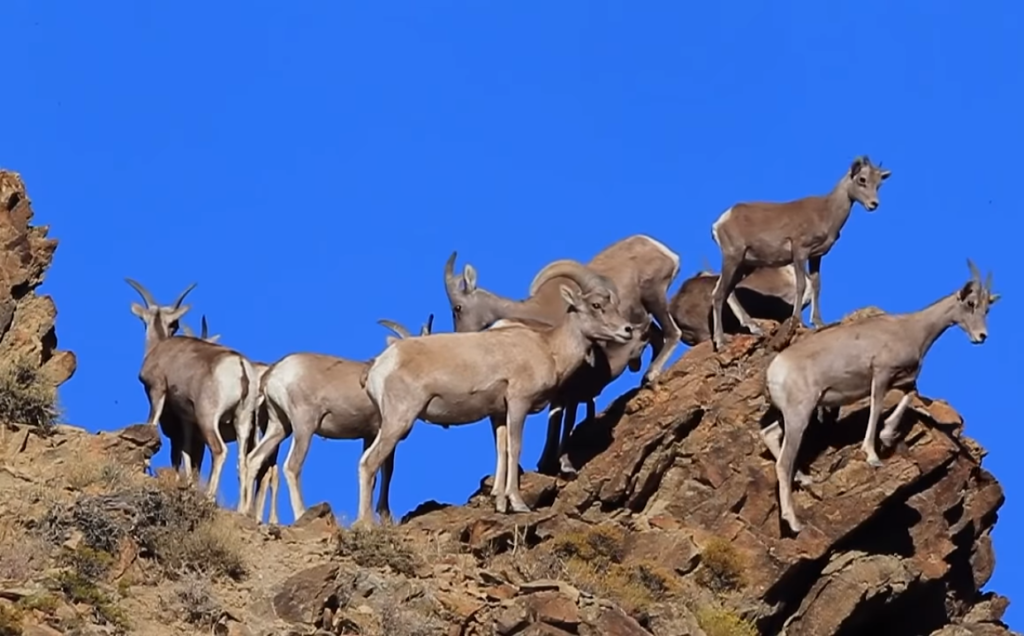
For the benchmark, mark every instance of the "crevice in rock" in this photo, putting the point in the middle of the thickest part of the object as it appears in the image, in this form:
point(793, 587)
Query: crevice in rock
point(917, 611)
point(13, 201)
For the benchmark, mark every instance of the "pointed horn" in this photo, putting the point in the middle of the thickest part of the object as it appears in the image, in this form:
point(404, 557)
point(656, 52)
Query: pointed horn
point(203, 332)
point(428, 327)
point(451, 281)
point(177, 303)
point(975, 274)
point(146, 296)
point(587, 279)
point(394, 326)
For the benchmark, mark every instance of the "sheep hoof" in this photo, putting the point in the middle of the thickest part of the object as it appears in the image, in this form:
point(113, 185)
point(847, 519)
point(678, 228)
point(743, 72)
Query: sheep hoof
point(887, 440)
point(501, 504)
point(874, 462)
point(803, 479)
point(518, 505)
point(566, 467)
point(755, 330)
point(794, 525)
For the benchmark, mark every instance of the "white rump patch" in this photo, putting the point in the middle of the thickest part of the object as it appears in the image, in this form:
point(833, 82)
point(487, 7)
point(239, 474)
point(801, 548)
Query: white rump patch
point(776, 375)
point(666, 251)
point(716, 226)
point(227, 376)
point(382, 367)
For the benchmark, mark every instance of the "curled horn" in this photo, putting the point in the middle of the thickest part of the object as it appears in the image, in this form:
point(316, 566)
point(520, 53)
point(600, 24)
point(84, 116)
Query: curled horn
point(975, 274)
point(177, 303)
point(394, 326)
point(146, 296)
point(451, 281)
point(587, 279)
point(428, 326)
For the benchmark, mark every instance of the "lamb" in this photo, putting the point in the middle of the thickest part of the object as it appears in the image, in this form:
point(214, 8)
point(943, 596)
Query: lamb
point(767, 294)
point(841, 364)
point(311, 394)
point(503, 373)
point(796, 232)
point(197, 381)
point(639, 268)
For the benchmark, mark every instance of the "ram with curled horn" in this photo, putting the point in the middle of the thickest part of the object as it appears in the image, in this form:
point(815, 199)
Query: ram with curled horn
point(639, 270)
point(311, 394)
point(502, 373)
point(197, 381)
point(866, 358)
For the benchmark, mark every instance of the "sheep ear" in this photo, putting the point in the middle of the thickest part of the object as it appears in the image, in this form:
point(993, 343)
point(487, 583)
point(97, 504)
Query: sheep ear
point(138, 310)
point(588, 359)
point(389, 340)
point(992, 298)
point(469, 278)
point(883, 175)
point(571, 298)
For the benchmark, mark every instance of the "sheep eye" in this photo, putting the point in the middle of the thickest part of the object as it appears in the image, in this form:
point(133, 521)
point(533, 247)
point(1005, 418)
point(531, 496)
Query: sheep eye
point(595, 305)
point(458, 308)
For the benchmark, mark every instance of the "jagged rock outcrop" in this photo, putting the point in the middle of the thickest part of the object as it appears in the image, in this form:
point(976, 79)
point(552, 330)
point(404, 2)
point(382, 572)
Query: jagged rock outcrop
point(27, 333)
point(670, 528)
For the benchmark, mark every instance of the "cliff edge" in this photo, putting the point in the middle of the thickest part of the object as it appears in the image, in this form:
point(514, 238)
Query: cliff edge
point(670, 528)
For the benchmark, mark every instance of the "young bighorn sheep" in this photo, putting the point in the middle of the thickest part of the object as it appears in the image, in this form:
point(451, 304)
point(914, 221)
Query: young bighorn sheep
point(767, 293)
point(799, 232)
point(638, 267)
point(197, 381)
point(841, 364)
point(504, 373)
point(309, 394)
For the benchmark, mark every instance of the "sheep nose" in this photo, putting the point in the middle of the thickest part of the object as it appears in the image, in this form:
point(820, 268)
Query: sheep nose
point(629, 330)
point(872, 205)
point(981, 337)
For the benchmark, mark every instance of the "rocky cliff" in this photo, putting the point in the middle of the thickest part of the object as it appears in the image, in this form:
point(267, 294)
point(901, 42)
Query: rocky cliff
point(671, 527)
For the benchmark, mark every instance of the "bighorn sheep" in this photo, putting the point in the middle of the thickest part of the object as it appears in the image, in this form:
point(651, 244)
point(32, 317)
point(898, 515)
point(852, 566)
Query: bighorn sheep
point(309, 394)
point(799, 232)
point(504, 373)
point(198, 381)
point(266, 476)
point(841, 364)
point(767, 294)
point(638, 267)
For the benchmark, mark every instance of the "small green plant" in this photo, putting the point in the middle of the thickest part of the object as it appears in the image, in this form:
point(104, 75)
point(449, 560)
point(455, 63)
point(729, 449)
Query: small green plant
point(43, 602)
point(716, 621)
point(79, 589)
point(26, 396)
point(722, 566)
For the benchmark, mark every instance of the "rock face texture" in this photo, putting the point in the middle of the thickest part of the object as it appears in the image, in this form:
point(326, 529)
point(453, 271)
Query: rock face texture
point(671, 527)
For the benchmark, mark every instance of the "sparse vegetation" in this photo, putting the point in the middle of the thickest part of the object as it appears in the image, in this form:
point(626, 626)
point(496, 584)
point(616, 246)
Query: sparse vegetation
point(77, 588)
point(43, 602)
point(26, 396)
point(722, 566)
point(195, 600)
point(10, 620)
point(377, 547)
point(109, 475)
point(592, 559)
point(22, 556)
point(717, 621)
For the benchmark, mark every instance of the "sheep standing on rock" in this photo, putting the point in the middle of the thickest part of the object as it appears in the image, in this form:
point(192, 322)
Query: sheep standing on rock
point(839, 365)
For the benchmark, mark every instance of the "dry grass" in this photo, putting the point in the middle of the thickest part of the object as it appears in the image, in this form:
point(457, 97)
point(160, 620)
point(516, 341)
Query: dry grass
point(194, 600)
point(10, 620)
point(716, 621)
point(81, 580)
point(378, 547)
point(27, 396)
point(722, 567)
point(22, 556)
point(592, 560)
point(108, 475)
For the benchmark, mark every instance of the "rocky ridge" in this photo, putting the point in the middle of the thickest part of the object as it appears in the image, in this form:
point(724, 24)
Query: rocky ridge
point(670, 528)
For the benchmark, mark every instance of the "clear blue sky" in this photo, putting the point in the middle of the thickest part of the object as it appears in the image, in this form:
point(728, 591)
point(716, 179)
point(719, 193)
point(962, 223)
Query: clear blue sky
point(313, 165)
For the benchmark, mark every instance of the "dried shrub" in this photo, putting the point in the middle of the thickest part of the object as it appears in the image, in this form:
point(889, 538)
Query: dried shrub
point(10, 620)
point(27, 396)
point(722, 566)
point(195, 601)
point(377, 547)
point(716, 621)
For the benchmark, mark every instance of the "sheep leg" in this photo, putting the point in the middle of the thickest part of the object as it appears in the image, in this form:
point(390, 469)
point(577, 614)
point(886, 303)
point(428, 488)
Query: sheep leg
point(500, 430)
point(515, 417)
point(395, 425)
point(656, 340)
point(888, 433)
point(546, 464)
point(565, 466)
point(500, 434)
point(737, 307)
point(208, 418)
point(157, 398)
point(266, 479)
point(243, 423)
point(383, 499)
point(800, 278)
point(814, 264)
point(267, 448)
point(656, 303)
point(878, 384)
point(772, 436)
point(301, 438)
point(796, 421)
point(727, 280)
